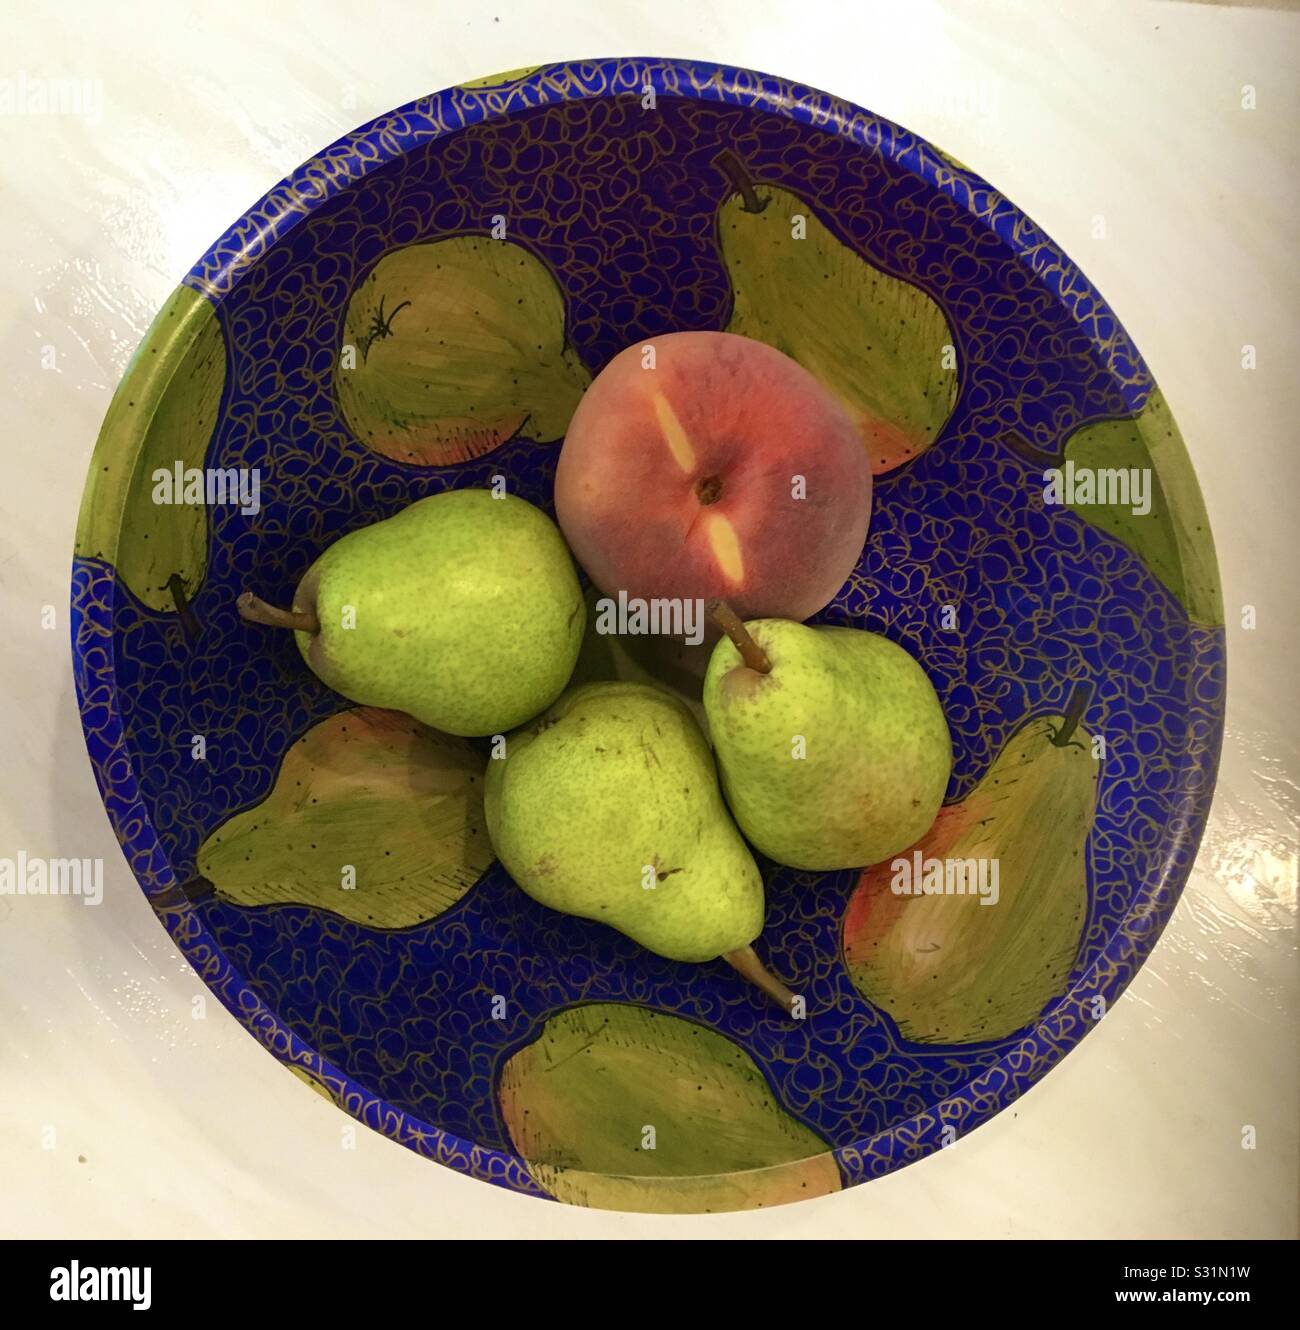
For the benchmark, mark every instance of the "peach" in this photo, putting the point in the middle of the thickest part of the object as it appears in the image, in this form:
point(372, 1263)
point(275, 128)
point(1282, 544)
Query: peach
point(704, 464)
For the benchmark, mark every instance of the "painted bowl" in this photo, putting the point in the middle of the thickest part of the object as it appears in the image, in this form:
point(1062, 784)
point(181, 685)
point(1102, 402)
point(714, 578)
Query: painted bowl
point(1038, 542)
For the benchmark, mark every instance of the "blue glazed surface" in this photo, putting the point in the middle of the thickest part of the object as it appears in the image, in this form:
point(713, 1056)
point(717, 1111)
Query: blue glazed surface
point(1045, 600)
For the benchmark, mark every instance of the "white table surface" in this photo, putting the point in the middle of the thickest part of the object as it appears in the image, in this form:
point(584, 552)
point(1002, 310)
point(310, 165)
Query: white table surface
point(166, 1125)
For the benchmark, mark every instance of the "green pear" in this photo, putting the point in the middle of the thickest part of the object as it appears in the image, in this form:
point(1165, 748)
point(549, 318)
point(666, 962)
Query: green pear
point(1173, 537)
point(575, 1102)
point(463, 610)
point(162, 417)
point(401, 804)
point(947, 969)
point(880, 344)
point(461, 346)
point(832, 744)
point(608, 808)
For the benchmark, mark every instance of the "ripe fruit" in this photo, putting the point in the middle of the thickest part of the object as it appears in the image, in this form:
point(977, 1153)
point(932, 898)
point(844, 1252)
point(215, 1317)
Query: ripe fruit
point(608, 808)
point(833, 747)
point(463, 610)
point(714, 467)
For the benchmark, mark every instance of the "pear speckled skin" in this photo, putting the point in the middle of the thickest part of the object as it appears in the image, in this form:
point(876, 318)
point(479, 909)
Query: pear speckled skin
point(468, 613)
point(877, 753)
point(614, 780)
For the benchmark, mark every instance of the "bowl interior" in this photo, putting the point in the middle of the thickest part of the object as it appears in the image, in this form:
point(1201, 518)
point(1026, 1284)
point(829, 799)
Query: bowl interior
point(539, 223)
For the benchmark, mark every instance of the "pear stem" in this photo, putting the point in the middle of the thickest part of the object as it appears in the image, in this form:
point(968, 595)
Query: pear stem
point(729, 621)
point(744, 961)
point(733, 168)
point(189, 624)
point(1078, 704)
point(253, 609)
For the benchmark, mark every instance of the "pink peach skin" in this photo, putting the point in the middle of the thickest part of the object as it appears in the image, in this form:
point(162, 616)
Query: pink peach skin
point(681, 480)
